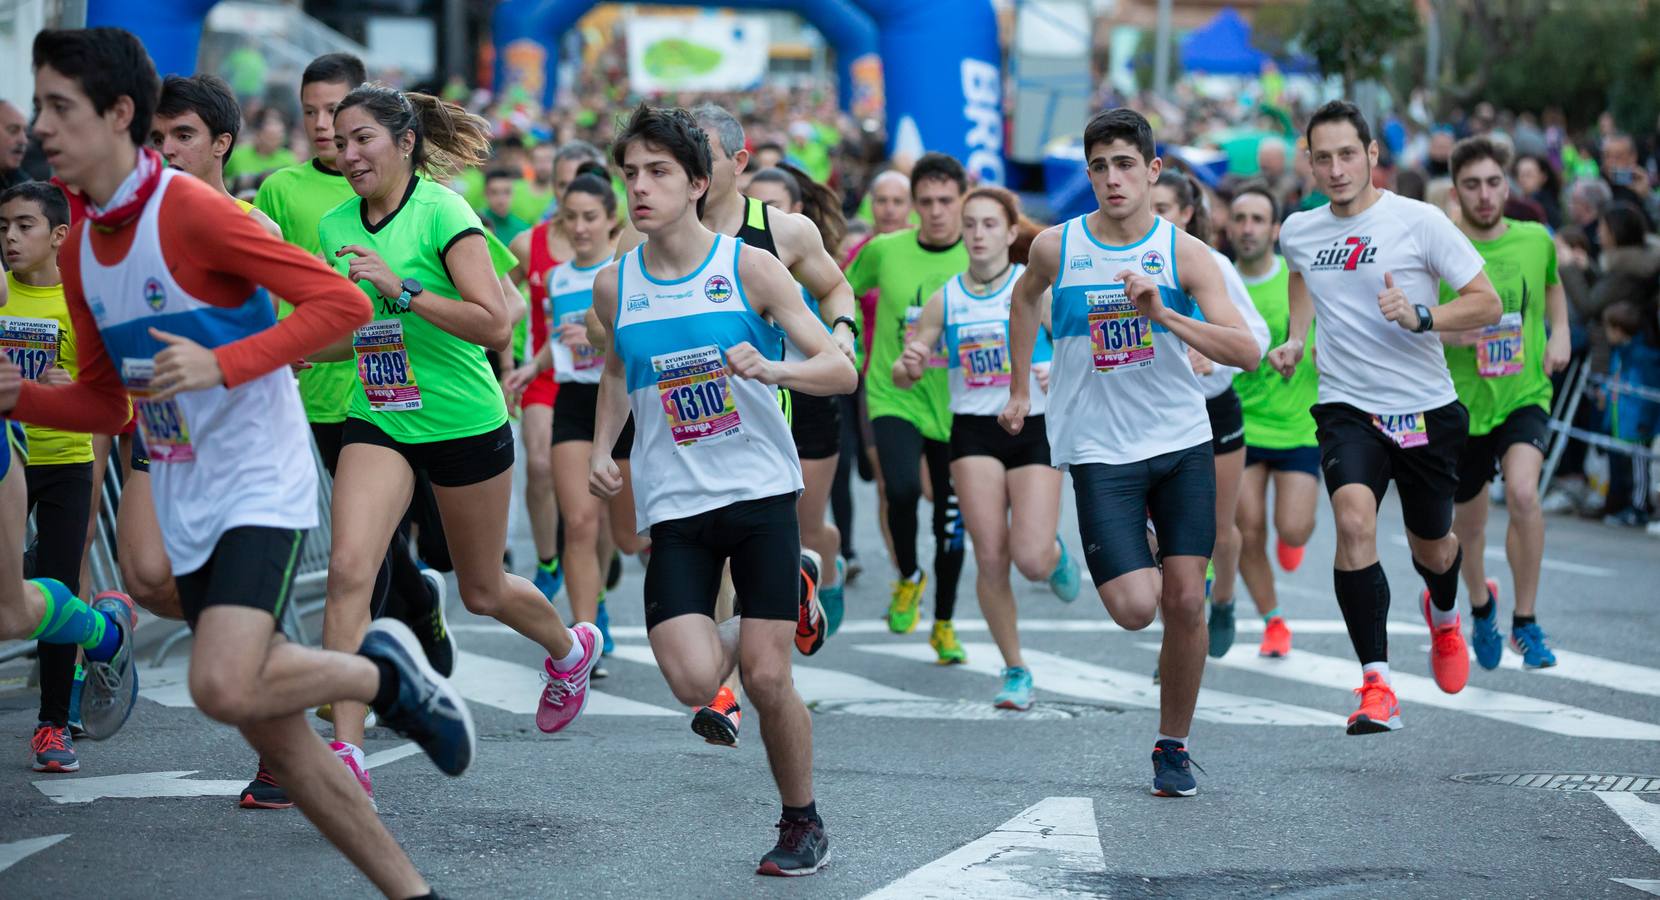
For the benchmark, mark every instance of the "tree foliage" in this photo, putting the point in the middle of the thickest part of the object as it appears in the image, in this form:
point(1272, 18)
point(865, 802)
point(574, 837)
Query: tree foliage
point(1354, 38)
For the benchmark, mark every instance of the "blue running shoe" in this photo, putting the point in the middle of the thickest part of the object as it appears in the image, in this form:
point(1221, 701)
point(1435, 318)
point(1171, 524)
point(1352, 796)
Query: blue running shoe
point(1529, 641)
point(427, 709)
point(1064, 581)
point(1221, 629)
point(1017, 689)
point(602, 621)
point(1172, 771)
point(834, 599)
point(1485, 635)
point(549, 579)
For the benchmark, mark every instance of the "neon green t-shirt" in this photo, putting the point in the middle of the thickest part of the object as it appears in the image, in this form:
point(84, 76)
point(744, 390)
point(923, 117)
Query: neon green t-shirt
point(1276, 409)
point(905, 274)
point(529, 201)
point(1505, 371)
point(246, 160)
point(296, 198)
point(417, 382)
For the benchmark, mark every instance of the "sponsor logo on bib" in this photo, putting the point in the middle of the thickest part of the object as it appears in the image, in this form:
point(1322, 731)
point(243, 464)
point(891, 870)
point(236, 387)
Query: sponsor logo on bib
point(1081, 261)
point(154, 294)
point(717, 289)
point(1152, 262)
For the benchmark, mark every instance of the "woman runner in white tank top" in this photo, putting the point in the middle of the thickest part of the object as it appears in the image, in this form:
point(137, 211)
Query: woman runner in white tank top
point(1009, 492)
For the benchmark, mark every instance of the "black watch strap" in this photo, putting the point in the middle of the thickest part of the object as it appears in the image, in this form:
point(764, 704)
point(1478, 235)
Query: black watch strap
point(1426, 318)
point(851, 325)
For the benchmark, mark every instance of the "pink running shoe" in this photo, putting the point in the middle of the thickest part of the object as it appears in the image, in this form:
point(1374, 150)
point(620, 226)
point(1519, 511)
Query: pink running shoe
point(344, 751)
point(566, 694)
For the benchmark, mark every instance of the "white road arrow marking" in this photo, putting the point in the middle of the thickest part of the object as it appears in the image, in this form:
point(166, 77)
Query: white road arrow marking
point(1032, 855)
point(1642, 817)
point(15, 852)
point(148, 785)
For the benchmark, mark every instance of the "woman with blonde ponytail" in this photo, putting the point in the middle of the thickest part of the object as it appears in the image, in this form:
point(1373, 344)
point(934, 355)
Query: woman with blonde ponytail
point(426, 398)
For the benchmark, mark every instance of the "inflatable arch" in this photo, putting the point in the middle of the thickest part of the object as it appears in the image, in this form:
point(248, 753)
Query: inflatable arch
point(941, 65)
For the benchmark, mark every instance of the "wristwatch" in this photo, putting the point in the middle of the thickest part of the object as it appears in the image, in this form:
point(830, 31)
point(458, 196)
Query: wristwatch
point(1425, 320)
point(411, 288)
point(851, 325)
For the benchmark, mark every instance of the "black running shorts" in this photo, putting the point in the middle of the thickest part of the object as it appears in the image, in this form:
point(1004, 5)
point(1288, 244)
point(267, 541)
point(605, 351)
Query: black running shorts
point(1355, 450)
point(1482, 454)
point(1227, 422)
point(251, 566)
point(816, 424)
point(761, 538)
point(457, 462)
point(982, 436)
point(1177, 490)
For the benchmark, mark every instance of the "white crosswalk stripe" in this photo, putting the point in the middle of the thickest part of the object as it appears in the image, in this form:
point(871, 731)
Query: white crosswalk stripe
point(1055, 674)
point(1516, 709)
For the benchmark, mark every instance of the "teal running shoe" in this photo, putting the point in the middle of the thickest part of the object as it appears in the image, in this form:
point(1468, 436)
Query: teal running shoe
point(1221, 629)
point(1017, 689)
point(1529, 641)
point(1064, 581)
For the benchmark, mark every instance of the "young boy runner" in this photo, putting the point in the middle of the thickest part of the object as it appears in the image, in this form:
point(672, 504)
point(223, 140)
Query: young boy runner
point(167, 288)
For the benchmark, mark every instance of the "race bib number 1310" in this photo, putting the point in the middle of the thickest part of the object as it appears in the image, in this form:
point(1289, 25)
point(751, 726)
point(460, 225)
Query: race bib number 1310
point(696, 395)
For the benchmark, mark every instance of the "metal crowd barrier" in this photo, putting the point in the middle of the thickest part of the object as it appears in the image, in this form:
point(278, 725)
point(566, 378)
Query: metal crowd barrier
point(1579, 378)
point(310, 582)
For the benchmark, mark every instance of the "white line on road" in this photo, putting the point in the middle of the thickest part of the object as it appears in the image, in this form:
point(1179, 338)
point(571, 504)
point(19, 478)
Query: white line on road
point(1497, 553)
point(1247, 623)
point(1069, 677)
point(1528, 712)
point(517, 689)
point(1585, 668)
point(1032, 855)
point(1640, 816)
point(15, 852)
point(136, 785)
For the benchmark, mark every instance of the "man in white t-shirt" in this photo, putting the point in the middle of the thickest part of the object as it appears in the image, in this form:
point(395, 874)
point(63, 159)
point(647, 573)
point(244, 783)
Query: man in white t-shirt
point(1370, 266)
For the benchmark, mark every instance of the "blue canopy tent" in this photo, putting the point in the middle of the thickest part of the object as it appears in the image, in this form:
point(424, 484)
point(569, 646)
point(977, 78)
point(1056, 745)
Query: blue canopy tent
point(1222, 47)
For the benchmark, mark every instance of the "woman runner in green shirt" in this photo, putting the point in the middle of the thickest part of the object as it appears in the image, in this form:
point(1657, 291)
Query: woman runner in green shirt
point(426, 398)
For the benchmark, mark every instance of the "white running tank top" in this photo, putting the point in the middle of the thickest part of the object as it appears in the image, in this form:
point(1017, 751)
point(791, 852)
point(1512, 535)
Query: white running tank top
point(221, 457)
point(570, 293)
point(977, 349)
point(703, 439)
point(1121, 389)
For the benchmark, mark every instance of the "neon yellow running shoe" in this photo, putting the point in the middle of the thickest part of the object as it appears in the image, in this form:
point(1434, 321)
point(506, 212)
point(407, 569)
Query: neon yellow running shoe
point(907, 600)
point(944, 641)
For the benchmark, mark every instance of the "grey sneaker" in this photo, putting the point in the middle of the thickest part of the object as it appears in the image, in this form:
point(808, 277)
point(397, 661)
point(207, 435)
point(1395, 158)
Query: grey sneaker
point(111, 687)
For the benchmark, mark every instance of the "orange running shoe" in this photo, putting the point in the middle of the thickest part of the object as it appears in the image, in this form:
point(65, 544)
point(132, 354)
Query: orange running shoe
point(1448, 654)
point(1290, 557)
point(1379, 710)
point(1276, 639)
point(718, 722)
point(809, 624)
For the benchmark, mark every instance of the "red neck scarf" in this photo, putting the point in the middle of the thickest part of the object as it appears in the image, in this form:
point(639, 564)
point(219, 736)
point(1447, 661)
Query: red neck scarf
point(128, 200)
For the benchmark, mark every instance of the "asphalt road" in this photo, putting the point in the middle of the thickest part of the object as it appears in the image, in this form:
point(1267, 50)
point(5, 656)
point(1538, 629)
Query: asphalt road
point(925, 789)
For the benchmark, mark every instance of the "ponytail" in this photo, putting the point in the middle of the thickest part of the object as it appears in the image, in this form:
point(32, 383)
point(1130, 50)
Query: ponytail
point(820, 204)
point(1190, 194)
point(447, 137)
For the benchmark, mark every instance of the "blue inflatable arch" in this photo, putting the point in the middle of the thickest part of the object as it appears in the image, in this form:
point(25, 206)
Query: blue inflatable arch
point(941, 65)
point(942, 75)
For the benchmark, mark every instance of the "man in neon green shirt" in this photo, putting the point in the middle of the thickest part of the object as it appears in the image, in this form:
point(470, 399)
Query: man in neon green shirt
point(1279, 429)
point(1502, 374)
point(906, 268)
point(296, 198)
point(267, 152)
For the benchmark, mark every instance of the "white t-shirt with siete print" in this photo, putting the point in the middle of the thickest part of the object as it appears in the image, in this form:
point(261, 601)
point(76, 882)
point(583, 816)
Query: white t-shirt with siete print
point(1364, 359)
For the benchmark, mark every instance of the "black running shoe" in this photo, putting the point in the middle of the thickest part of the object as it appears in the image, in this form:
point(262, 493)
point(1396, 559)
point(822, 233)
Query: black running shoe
point(432, 628)
point(803, 848)
point(1172, 771)
point(264, 792)
point(613, 575)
